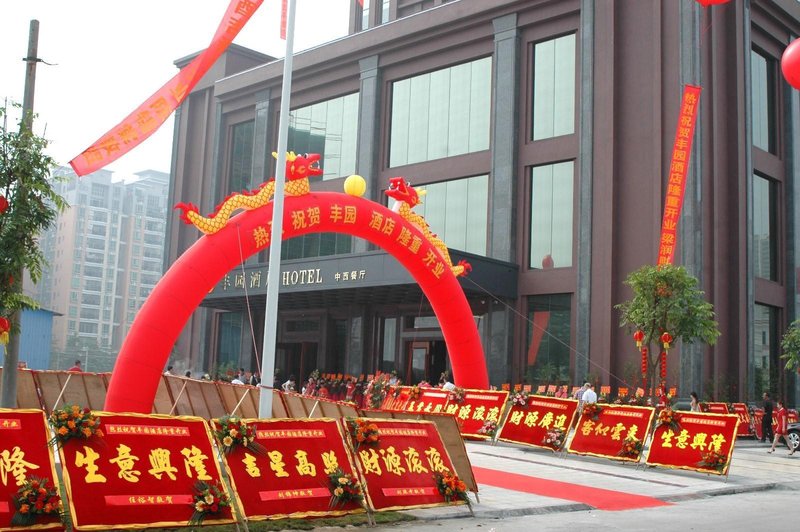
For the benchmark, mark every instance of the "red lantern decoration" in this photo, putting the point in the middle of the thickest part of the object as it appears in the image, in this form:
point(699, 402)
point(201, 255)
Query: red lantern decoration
point(5, 328)
point(644, 361)
point(638, 336)
point(706, 3)
point(790, 64)
point(666, 339)
point(663, 365)
point(3, 204)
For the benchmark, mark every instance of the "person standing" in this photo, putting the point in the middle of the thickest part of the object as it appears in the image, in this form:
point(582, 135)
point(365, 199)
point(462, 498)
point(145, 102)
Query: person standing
point(589, 395)
point(694, 403)
point(781, 429)
point(766, 421)
point(289, 385)
point(77, 366)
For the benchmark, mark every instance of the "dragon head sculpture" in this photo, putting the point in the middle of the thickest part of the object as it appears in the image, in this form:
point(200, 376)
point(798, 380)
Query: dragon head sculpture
point(301, 166)
point(401, 190)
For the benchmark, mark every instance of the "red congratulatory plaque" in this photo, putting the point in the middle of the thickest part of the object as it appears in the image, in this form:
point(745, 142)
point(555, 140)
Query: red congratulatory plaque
point(531, 423)
point(604, 434)
point(399, 469)
point(430, 401)
point(289, 479)
point(141, 473)
point(476, 408)
point(24, 454)
point(699, 442)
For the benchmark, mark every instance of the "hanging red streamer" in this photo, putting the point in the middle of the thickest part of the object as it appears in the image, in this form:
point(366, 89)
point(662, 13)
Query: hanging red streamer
point(148, 117)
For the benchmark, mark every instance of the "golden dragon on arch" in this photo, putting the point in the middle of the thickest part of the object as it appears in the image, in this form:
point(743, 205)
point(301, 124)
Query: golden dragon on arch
point(407, 198)
point(298, 170)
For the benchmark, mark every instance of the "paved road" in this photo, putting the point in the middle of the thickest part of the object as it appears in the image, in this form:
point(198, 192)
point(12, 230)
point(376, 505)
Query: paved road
point(761, 491)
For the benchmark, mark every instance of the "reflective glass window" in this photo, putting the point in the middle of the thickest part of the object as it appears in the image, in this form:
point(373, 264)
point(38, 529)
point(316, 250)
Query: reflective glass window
point(765, 247)
point(554, 88)
point(762, 71)
point(241, 156)
point(329, 128)
point(441, 114)
point(551, 237)
point(548, 339)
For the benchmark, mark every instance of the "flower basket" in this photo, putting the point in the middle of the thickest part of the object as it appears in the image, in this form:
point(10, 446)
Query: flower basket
point(414, 393)
point(208, 499)
point(592, 411)
point(519, 399)
point(670, 418)
point(456, 395)
point(631, 448)
point(488, 429)
point(36, 498)
point(713, 460)
point(451, 487)
point(232, 432)
point(555, 438)
point(74, 422)
point(363, 432)
point(344, 488)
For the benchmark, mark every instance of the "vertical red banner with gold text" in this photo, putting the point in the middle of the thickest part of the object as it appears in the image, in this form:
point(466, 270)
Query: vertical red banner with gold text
point(148, 117)
point(698, 442)
point(141, 473)
point(678, 167)
point(291, 479)
point(475, 409)
point(605, 432)
point(24, 454)
point(399, 468)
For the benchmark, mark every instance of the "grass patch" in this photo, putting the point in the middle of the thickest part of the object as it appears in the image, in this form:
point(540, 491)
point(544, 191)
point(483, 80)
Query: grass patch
point(381, 518)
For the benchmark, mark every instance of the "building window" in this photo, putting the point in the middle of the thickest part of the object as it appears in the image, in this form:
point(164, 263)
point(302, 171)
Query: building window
point(389, 348)
point(329, 128)
point(316, 245)
point(241, 156)
point(765, 245)
point(230, 338)
point(762, 71)
point(551, 237)
point(765, 349)
point(548, 339)
point(458, 212)
point(441, 114)
point(554, 88)
point(365, 12)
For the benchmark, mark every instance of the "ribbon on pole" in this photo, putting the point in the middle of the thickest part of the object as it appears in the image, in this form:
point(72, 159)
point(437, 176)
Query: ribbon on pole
point(149, 116)
point(678, 167)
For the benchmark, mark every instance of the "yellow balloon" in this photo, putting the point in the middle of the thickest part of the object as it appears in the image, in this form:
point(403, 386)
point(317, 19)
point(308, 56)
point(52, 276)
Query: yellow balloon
point(355, 185)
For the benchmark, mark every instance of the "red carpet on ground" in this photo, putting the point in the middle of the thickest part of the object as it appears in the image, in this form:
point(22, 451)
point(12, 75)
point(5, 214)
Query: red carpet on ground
point(599, 498)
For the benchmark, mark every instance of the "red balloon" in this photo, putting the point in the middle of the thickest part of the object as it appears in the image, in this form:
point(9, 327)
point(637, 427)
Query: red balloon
point(706, 3)
point(158, 323)
point(790, 64)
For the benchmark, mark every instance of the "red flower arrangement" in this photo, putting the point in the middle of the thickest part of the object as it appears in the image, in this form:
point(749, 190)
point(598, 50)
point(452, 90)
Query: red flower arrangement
point(451, 487)
point(554, 438)
point(36, 497)
point(489, 428)
point(592, 410)
point(456, 395)
point(519, 399)
point(414, 393)
point(344, 488)
point(364, 432)
point(233, 432)
point(72, 421)
point(631, 447)
point(713, 460)
point(208, 499)
point(669, 418)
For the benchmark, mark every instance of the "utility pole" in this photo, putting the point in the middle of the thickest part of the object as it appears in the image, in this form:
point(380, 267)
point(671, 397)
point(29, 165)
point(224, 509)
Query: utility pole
point(9, 385)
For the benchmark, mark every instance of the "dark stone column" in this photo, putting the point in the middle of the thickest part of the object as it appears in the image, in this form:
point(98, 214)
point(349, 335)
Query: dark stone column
point(369, 102)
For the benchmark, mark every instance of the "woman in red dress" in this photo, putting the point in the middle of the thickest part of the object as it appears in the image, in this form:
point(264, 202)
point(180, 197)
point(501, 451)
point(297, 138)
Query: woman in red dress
point(781, 430)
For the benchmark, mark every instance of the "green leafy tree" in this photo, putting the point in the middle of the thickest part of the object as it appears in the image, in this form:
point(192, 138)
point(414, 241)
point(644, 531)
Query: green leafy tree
point(666, 299)
point(30, 207)
point(790, 343)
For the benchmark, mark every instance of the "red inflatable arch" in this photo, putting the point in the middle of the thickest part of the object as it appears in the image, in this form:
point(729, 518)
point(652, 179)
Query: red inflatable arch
point(147, 347)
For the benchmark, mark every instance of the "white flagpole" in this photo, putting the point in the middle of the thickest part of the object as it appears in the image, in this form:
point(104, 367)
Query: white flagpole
point(274, 275)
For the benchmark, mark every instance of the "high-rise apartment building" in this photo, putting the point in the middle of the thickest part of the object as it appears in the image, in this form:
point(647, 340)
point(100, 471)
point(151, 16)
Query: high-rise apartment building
point(105, 254)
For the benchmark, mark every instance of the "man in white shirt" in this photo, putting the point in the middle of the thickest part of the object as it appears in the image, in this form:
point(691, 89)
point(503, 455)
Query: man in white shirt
point(589, 395)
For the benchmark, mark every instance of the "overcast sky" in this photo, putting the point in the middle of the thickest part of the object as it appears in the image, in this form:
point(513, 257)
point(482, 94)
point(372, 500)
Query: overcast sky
point(109, 56)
